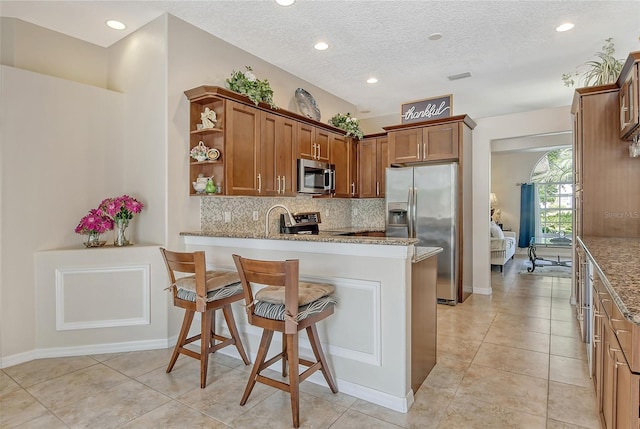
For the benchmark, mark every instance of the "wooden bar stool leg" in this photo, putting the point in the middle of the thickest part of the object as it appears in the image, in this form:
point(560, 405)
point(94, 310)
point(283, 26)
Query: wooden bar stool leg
point(212, 342)
point(205, 341)
point(294, 377)
point(314, 339)
point(284, 355)
point(265, 342)
point(182, 337)
point(231, 324)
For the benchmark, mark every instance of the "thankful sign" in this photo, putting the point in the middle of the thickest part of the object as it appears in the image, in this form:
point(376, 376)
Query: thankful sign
point(429, 108)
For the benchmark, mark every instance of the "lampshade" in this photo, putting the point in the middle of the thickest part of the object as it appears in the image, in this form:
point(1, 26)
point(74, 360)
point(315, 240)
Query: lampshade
point(493, 200)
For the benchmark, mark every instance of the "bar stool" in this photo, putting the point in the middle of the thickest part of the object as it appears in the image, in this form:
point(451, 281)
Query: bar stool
point(288, 306)
point(203, 292)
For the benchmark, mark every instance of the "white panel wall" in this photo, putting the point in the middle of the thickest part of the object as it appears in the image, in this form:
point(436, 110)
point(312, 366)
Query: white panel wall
point(100, 300)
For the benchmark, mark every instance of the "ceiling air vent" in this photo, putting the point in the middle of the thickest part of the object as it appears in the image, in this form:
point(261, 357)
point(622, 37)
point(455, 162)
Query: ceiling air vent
point(459, 76)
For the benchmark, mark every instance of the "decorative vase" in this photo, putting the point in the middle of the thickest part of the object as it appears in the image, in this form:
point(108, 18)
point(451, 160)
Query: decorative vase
point(93, 240)
point(121, 228)
point(210, 188)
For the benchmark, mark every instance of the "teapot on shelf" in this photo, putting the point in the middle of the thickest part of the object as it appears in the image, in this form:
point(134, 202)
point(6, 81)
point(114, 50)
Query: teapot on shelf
point(200, 185)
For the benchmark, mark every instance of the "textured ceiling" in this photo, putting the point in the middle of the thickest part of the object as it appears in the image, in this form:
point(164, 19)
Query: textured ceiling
point(510, 47)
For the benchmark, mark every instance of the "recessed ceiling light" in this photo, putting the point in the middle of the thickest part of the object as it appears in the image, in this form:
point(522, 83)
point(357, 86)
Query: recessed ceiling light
point(564, 27)
point(435, 36)
point(116, 25)
point(372, 80)
point(285, 2)
point(321, 46)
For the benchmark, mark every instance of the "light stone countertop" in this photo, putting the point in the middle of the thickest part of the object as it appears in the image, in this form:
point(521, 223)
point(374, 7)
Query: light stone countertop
point(618, 260)
point(332, 236)
point(422, 253)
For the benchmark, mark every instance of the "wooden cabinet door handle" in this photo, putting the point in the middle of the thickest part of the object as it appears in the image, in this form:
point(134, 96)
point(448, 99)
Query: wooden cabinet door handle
point(278, 180)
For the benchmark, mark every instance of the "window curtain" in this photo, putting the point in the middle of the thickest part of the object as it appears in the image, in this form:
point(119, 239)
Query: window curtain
point(527, 214)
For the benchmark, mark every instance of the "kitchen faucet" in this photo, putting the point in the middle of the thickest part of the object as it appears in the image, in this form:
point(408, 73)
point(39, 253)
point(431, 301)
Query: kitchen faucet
point(291, 221)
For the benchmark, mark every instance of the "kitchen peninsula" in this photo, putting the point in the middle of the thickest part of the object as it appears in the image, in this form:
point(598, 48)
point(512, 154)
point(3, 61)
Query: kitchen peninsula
point(381, 341)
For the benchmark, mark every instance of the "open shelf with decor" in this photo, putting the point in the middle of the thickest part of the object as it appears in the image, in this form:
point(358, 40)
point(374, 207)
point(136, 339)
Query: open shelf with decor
point(205, 110)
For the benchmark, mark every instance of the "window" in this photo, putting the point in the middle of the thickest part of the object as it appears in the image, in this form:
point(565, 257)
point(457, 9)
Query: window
point(553, 177)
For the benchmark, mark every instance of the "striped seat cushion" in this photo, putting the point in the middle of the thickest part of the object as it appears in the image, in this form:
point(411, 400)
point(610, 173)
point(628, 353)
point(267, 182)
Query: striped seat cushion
point(223, 292)
point(219, 284)
point(277, 311)
point(312, 298)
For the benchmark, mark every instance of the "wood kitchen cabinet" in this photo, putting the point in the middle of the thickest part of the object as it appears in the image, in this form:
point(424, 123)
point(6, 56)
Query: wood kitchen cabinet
point(259, 146)
point(614, 356)
point(278, 137)
point(373, 156)
point(619, 407)
point(313, 142)
point(242, 174)
point(342, 154)
point(604, 203)
point(436, 140)
point(629, 97)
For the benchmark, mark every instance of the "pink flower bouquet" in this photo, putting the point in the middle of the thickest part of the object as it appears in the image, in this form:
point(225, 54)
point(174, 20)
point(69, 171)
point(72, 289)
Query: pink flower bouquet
point(95, 222)
point(122, 208)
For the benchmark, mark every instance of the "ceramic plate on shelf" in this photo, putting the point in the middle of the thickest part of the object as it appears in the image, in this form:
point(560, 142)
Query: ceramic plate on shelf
point(307, 104)
point(213, 154)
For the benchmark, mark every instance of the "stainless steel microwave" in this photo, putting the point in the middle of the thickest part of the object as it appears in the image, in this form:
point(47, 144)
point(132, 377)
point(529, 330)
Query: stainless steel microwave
point(316, 177)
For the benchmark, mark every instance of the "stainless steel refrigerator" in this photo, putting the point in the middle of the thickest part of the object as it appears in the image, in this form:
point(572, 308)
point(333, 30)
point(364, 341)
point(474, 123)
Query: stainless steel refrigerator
point(421, 203)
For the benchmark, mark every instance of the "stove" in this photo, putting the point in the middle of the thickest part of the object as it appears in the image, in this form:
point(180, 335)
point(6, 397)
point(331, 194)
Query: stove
point(306, 223)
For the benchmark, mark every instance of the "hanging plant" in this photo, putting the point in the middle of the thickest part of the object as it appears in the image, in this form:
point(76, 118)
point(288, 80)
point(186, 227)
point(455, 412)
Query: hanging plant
point(599, 72)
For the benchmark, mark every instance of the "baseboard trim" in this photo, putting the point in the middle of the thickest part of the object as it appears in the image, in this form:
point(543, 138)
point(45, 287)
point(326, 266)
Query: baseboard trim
point(482, 290)
point(86, 350)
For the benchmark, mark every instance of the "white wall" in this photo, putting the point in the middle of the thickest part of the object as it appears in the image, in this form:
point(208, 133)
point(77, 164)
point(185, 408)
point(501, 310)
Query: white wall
point(508, 169)
point(137, 68)
point(61, 143)
point(30, 47)
point(552, 120)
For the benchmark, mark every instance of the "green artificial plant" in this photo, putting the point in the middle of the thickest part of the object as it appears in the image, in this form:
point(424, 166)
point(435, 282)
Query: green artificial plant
point(599, 72)
point(247, 84)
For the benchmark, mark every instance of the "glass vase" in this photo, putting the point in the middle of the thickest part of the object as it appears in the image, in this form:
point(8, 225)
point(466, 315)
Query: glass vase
point(93, 240)
point(120, 227)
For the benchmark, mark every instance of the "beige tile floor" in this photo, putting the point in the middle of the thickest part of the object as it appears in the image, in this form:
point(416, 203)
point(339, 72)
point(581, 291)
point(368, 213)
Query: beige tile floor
point(512, 360)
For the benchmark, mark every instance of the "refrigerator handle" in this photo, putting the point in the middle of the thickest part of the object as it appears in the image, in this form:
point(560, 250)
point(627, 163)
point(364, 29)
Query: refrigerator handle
point(414, 214)
point(410, 213)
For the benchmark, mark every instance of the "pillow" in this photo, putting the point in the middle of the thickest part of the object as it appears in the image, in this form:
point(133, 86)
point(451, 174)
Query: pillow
point(496, 232)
